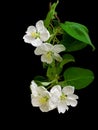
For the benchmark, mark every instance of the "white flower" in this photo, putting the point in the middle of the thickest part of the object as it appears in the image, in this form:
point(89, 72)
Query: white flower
point(40, 97)
point(49, 52)
point(62, 98)
point(36, 34)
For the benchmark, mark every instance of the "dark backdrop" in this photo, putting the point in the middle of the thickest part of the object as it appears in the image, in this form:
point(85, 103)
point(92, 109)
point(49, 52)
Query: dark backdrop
point(25, 65)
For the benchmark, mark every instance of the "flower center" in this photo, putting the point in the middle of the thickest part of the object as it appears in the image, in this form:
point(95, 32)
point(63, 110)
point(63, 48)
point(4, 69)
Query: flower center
point(49, 54)
point(63, 96)
point(35, 35)
point(43, 100)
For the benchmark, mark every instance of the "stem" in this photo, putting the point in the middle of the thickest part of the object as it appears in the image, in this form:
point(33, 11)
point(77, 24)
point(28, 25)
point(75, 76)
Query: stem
point(53, 37)
point(53, 82)
point(50, 5)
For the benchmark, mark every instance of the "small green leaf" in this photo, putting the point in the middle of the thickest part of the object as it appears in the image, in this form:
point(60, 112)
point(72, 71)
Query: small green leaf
point(66, 59)
point(77, 31)
point(78, 77)
point(40, 78)
point(50, 14)
point(45, 83)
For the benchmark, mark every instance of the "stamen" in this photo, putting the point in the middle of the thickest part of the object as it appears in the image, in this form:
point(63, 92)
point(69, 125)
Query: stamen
point(63, 96)
point(43, 100)
point(49, 54)
point(35, 35)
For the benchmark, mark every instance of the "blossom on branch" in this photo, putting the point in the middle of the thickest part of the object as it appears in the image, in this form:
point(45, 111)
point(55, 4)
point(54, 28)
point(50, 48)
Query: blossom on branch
point(63, 98)
point(36, 35)
point(49, 52)
point(40, 97)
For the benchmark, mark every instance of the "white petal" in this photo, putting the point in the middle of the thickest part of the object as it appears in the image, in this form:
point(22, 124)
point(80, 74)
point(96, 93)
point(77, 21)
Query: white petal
point(43, 91)
point(45, 108)
point(36, 42)
point(56, 91)
point(30, 29)
point(39, 25)
point(33, 88)
point(46, 59)
point(47, 46)
point(71, 102)
point(28, 38)
point(44, 33)
point(40, 50)
point(54, 99)
point(43, 48)
point(72, 96)
point(58, 48)
point(68, 90)
point(33, 83)
point(34, 101)
point(62, 107)
point(57, 57)
point(44, 36)
point(52, 105)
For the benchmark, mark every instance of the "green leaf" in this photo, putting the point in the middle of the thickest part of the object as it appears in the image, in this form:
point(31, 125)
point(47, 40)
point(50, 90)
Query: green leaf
point(66, 59)
point(71, 43)
point(41, 80)
point(50, 14)
point(38, 79)
point(78, 77)
point(77, 31)
point(45, 83)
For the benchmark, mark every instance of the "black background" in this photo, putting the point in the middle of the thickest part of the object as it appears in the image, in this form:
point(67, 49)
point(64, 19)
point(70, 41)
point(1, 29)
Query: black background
point(25, 65)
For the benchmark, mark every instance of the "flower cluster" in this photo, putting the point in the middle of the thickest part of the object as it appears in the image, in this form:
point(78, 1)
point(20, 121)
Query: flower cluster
point(41, 97)
point(55, 98)
point(54, 41)
point(37, 37)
